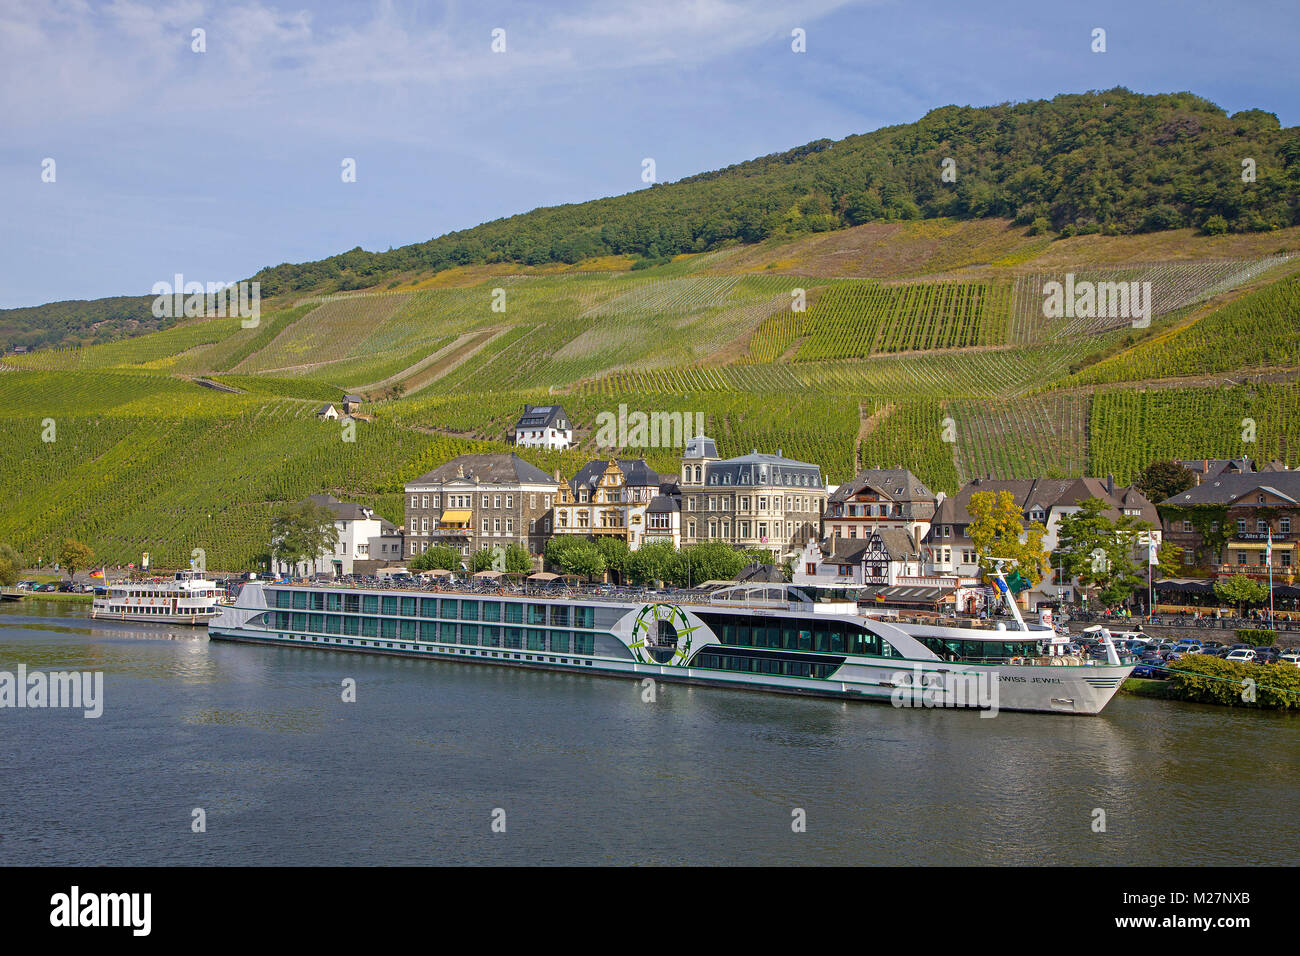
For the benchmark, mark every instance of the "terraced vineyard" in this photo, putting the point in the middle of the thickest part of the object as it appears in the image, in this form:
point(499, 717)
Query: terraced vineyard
point(857, 319)
point(963, 377)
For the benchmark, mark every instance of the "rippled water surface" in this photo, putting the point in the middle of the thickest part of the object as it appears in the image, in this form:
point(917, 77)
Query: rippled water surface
point(587, 772)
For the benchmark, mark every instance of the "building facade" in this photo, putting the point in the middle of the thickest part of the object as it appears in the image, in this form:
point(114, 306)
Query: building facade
point(609, 499)
point(475, 502)
point(356, 526)
point(1225, 524)
point(544, 426)
point(880, 498)
point(761, 501)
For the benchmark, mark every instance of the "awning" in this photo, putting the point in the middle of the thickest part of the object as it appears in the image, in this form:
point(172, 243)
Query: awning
point(435, 573)
point(1187, 585)
point(456, 517)
point(542, 576)
point(487, 574)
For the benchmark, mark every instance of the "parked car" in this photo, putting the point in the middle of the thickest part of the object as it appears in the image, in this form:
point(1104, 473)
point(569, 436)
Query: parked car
point(1211, 647)
point(1241, 654)
point(1149, 672)
point(1290, 657)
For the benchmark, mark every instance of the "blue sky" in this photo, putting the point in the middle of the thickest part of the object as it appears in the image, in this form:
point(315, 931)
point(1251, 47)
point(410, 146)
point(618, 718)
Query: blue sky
point(215, 164)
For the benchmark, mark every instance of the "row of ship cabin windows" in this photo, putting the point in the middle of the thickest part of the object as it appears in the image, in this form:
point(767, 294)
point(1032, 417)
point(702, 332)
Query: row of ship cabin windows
point(830, 636)
point(510, 612)
point(441, 632)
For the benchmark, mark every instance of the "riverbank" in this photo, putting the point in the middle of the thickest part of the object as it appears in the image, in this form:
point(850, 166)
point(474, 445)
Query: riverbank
point(60, 596)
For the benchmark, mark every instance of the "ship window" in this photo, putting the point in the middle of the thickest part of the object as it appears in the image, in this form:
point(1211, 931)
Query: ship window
point(514, 638)
point(447, 608)
point(408, 607)
point(333, 624)
point(387, 627)
point(351, 603)
point(469, 633)
point(514, 614)
point(584, 643)
point(370, 626)
point(318, 600)
point(537, 614)
point(389, 605)
point(370, 604)
point(333, 602)
point(447, 633)
point(352, 626)
point(584, 617)
point(428, 630)
point(408, 630)
point(469, 610)
point(300, 600)
point(560, 615)
point(491, 610)
point(560, 641)
point(490, 636)
point(536, 639)
point(282, 599)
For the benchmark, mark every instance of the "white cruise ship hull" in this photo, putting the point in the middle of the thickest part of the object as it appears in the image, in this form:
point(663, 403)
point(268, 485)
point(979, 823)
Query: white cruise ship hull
point(616, 645)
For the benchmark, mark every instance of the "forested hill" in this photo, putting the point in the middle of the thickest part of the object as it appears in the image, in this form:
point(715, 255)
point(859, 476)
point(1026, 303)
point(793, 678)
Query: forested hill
point(1113, 162)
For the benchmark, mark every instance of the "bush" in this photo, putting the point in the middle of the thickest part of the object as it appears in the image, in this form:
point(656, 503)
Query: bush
point(1211, 680)
point(1039, 226)
point(1214, 226)
point(1254, 638)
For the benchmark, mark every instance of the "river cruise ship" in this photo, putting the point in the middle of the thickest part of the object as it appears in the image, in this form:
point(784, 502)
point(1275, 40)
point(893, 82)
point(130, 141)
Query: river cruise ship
point(186, 598)
point(772, 637)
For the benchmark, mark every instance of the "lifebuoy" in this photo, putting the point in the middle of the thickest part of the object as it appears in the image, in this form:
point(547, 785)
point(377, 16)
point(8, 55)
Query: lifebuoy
point(1017, 660)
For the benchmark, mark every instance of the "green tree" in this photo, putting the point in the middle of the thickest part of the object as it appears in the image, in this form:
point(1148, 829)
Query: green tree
point(584, 560)
point(518, 560)
point(75, 556)
point(706, 561)
point(651, 562)
point(616, 554)
point(303, 532)
point(1240, 590)
point(997, 530)
point(1100, 551)
point(481, 560)
point(1163, 479)
point(440, 556)
point(558, 545)
point(11, 566)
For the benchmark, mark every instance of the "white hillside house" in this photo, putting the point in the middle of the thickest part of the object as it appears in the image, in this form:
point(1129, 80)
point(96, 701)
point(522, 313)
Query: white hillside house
point(544, 426)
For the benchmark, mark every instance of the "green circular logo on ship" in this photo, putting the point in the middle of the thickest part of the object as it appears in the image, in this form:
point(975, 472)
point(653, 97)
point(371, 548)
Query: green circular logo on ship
point(661, 634)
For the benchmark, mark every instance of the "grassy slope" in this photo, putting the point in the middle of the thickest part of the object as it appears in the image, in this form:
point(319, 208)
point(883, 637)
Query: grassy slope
point(143, 459)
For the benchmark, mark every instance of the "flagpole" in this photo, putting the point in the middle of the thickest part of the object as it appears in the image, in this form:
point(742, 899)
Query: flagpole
point(1269, 559)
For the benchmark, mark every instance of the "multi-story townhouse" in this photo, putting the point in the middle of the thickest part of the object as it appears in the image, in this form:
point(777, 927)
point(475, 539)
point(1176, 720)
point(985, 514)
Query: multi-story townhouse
point(757, 501)
point(609, 498)
point(1225, 524)
point(356, 526)
point(879, 498)
point(950, 550)
point(475, 502)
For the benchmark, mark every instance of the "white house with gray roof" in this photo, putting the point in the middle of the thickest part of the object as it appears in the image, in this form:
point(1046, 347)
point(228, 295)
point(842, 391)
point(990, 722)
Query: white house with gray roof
point(544, 426)
point(357, 526)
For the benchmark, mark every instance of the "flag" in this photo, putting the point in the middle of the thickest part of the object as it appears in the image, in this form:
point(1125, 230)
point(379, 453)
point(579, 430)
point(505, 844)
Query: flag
point(1152, 551)
point(1268, 549)
point(1017, 583)
point(97, 574)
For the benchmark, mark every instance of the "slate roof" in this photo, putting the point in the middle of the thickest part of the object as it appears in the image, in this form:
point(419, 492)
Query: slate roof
point(662, 504)
point(1206, 468)
point(761, 469)
point(496, 468)
point(343, 510)
point(1046, 493)
point(1227, 488)
point(896, 483)
point(635, 472)
point(543, 416)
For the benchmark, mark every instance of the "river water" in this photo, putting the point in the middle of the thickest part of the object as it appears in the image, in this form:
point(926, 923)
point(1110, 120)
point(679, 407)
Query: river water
point(581, 769)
